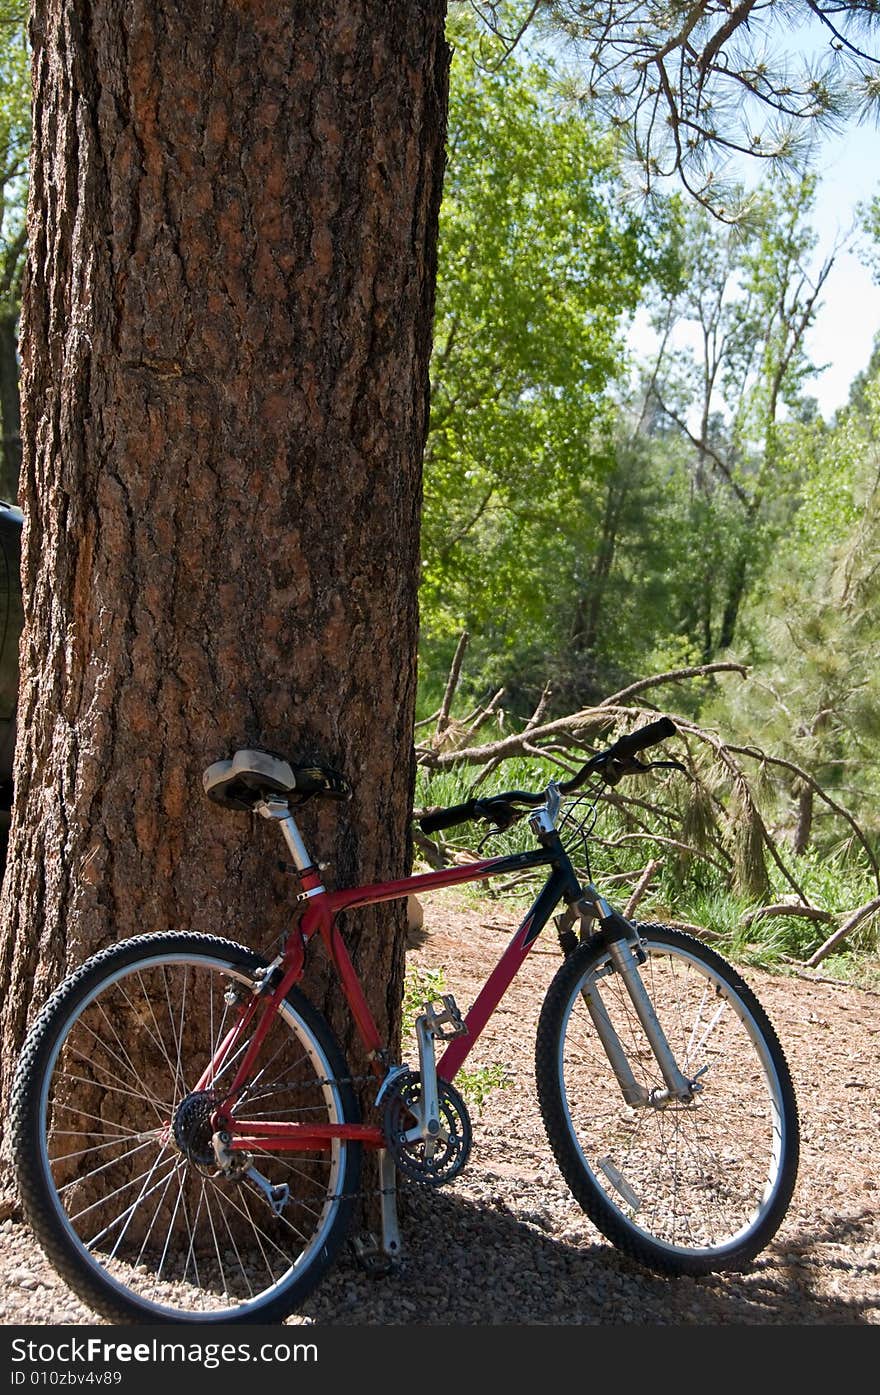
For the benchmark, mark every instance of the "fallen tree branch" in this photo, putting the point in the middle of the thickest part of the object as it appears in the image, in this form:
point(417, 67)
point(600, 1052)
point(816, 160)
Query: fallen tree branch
point(426, 721)
point(797, 970)
point(809, 912)
point(674, 676)
point(719, 821)
point(530, 725)
point(856, 919)
point(659, 838)
point(452, 683)
point(641, 888)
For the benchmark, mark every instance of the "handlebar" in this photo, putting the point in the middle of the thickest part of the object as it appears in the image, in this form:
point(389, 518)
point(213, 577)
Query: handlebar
point(612, 764)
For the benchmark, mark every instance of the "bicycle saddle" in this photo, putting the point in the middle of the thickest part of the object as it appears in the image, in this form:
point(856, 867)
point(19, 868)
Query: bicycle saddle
point(251, 776)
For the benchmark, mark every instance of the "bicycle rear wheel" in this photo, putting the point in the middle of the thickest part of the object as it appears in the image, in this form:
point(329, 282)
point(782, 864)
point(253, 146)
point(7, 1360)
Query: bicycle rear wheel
point(684, 1188)
point(118, 1180)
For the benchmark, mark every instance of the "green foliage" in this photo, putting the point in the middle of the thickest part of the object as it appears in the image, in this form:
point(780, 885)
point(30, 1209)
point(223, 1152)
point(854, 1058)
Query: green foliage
point(814, 630)
point(14, 150)
point(477, 1084)
point(538, 267)
point(420, 986)
point(734, 393)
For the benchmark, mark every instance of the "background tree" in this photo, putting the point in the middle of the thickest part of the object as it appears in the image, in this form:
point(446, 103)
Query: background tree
point(748, 297)
point(539, 268)
point(811, 631)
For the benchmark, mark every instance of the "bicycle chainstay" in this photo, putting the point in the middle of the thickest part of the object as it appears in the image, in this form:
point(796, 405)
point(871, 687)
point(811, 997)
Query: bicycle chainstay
point(402, 1183)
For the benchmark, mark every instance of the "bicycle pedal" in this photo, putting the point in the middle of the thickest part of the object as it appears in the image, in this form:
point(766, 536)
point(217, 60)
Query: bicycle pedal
point(370, 1255)
point(450, 1017)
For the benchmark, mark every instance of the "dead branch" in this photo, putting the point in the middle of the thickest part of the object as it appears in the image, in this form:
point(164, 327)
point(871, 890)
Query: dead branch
point(617, 877)
point(548, 754)
point(856, 919)
point(808, 912)
point(674, 676)
point(426, 721)
point(452, 683)
point(579, 723)
point(797, 970)
point(659, 838)
point(639, 890)
point(529, 726)
point(483, 714)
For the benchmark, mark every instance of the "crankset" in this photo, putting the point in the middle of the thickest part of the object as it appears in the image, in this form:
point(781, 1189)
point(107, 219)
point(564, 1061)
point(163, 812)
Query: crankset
point(432, 1153)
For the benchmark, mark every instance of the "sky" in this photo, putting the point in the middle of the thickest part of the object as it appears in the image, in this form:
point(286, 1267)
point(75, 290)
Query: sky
point(843, 335)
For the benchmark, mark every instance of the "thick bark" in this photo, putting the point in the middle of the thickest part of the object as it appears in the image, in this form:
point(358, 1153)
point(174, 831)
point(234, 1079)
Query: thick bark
point(226, 334)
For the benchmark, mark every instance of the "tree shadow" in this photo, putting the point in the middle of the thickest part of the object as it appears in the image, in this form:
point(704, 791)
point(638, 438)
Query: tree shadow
point(473, 1264)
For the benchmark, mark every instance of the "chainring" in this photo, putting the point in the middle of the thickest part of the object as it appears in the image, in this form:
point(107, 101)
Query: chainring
point(433, 1161)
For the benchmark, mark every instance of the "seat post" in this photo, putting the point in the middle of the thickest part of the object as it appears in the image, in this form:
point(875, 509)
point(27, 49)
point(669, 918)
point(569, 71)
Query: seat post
point(279, 810)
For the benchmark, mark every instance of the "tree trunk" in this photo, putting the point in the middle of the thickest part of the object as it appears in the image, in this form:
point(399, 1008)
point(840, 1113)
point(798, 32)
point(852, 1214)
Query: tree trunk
point(804, 826)
point(588, 613)
point(10, 411)
point(226, 335)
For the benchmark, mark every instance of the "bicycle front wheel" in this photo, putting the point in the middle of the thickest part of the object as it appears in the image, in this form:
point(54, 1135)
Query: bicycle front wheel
point(113, 1145)
point(682, 1187)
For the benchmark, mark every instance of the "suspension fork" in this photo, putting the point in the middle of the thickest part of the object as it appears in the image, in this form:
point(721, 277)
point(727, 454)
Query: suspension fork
point(626, 957)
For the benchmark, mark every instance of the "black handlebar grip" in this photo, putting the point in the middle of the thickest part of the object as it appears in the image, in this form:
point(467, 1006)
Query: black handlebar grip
point(447, 818)
point(643, 738)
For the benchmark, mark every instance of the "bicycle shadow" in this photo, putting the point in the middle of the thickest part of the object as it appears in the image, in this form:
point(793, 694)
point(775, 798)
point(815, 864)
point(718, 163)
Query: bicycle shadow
point(471, 1264)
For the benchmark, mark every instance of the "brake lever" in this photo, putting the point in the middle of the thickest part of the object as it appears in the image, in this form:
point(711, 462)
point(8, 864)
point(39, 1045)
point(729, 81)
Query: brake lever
point(503, 816)
point(615, 770)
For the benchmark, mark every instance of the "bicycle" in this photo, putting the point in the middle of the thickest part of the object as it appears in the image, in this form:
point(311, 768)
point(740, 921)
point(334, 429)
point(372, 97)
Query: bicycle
point(186, 1134)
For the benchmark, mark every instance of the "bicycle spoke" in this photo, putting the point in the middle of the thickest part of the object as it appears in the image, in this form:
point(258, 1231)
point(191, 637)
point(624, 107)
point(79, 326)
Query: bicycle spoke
point(85, 1177)
point(124, 1060)
point(123, 1215)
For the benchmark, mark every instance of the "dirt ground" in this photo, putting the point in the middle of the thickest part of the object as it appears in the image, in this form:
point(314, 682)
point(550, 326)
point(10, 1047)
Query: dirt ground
point(506, 1244)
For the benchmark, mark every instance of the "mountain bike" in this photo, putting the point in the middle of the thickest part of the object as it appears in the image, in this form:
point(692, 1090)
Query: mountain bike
point(188, 1139)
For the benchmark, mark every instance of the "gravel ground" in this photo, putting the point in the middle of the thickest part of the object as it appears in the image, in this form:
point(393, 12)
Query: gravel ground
point(505, 1243)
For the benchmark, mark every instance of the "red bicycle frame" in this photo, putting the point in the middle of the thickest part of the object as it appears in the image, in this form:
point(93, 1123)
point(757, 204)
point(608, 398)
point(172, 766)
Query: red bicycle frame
point(319, 918)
